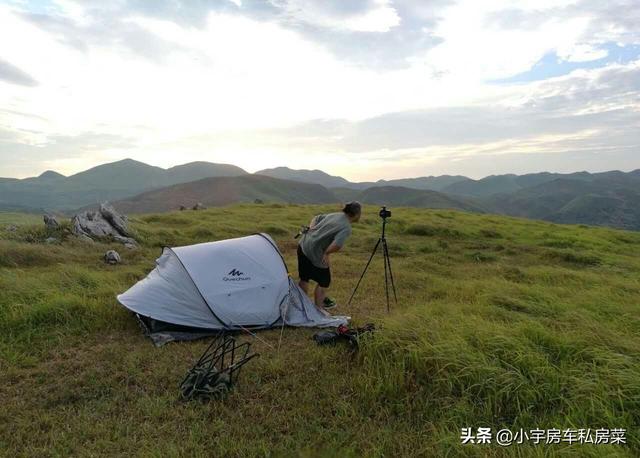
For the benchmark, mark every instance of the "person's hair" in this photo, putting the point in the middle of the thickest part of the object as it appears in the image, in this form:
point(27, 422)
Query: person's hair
point(352, 208)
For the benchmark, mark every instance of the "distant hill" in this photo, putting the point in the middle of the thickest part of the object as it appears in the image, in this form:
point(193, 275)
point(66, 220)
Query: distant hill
point(112, 181)
point(604, 199)
point(51, 175)
point(332, 181)
point(404, 197)
point(226, 190)
point(305, 176)
point(501, 184)
point(426, 183)
point(198, 170)
point(399, 196)
point(607, 199)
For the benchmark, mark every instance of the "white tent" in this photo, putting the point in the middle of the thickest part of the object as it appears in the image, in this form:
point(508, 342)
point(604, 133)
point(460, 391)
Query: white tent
point(231, 284)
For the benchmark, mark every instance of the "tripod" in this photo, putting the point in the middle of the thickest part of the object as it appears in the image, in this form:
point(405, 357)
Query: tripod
point(388, 274)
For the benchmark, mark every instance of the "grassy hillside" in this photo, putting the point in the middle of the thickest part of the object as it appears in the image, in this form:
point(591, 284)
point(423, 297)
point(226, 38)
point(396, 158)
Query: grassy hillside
point(501, 323)
point(606, 200)
point(224, 191)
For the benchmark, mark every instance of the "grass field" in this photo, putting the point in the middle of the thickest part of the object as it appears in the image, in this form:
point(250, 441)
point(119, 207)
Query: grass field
point(18, 219)
point(502, 323)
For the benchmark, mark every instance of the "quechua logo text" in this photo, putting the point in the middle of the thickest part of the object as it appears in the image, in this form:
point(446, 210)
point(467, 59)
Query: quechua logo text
point(236, 275)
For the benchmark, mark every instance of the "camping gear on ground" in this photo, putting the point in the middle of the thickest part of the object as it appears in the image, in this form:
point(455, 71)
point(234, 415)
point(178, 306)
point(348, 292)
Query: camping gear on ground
point(388, 274)
point(343, 333)
point(238, 284)
point(217, 370)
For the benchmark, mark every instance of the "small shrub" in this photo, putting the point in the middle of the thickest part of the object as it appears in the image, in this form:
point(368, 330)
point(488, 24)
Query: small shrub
point(509, 303)
point(574, 258)
point(515, 275)
point(478, 256)
point(421, 230)
point(275, 230)
point(430, 248)
point(424, 230)
point(202, 233)
point(559, 243)
point(490, 234)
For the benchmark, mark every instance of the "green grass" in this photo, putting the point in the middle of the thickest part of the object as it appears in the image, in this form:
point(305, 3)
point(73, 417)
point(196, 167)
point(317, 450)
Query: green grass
point(501, 322)
point(16, 219)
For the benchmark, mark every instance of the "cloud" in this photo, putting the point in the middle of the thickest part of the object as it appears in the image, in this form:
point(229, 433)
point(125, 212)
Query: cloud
point(396, 84)
point(13, 75)
point(25, 153)
point(589, 114)
point(105, 30)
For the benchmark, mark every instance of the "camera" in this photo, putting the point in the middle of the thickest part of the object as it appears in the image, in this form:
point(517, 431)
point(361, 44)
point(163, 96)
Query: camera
point(384, 213)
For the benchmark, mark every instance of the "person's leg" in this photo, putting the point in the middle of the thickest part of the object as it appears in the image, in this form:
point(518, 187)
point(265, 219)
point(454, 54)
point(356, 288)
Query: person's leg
point(319, 294)
point(303, 271)
point(323, 277)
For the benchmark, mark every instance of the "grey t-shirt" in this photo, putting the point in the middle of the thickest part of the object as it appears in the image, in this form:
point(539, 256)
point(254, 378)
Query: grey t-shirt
point(333, 227)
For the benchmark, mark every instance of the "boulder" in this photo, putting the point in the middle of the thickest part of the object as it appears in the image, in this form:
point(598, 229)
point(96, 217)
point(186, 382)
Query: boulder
point(51, 222)
point(51, 240)
point(112, 257)
point(93, 225)
point(199, 206)
point(118, 221)
point(104, 224)
point(12, 228)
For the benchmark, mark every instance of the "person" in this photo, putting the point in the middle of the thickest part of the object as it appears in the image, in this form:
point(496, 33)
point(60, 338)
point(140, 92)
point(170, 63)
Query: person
point(327, 234)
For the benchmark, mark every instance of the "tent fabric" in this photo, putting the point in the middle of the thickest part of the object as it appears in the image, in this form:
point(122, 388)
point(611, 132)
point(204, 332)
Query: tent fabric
point(225, 285)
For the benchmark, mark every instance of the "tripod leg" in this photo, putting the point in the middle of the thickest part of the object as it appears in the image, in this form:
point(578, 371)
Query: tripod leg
point(388, 260)
point(386, 280)
point(375, 248)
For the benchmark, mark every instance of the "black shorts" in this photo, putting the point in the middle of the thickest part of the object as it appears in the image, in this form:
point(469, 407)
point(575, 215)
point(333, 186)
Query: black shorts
point(307, 271)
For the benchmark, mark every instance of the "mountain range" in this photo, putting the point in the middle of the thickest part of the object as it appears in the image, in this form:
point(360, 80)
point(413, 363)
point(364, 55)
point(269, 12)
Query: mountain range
point(53, 191)
point(607, 199)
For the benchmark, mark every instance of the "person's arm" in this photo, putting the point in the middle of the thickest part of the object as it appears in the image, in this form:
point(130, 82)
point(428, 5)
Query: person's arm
point(333, 248)
point(337, 244)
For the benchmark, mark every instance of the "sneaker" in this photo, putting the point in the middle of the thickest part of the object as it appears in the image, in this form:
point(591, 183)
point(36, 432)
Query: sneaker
point(329, 303)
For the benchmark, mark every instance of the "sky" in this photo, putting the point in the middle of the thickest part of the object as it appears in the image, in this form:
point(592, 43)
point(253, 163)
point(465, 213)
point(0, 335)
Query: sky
point(365, 89)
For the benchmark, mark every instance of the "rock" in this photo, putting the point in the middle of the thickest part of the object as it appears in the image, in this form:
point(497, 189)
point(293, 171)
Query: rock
point(112, 257)
point(51, 222)
point(125, 240)
point(93, 225)
point(12, 228)
point(51, 240)
point(104, 224)
point(130, 246)
point(182, 208)
point(258, 201)
point(199, 206)
point(116, 220)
